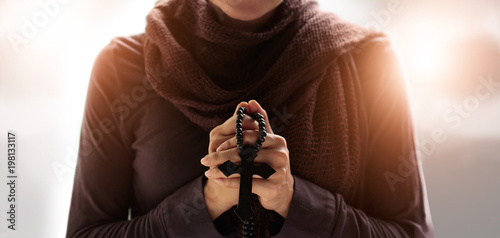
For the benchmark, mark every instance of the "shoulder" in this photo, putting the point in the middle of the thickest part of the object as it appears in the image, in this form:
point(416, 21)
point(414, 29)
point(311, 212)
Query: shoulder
point(125, 47)
point(366, 50)
point(378, 65)
point(333, 33)
point(116, 83)
point(381, 78)
point(376, 52)
point(118, 66)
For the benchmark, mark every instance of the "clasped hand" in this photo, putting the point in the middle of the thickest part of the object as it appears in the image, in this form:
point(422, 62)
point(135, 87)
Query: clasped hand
point(221, 192)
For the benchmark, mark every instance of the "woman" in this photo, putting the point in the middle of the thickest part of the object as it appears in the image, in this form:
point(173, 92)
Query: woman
point(333, 97)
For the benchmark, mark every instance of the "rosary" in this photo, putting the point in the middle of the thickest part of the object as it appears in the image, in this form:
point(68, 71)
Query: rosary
point(246, 170)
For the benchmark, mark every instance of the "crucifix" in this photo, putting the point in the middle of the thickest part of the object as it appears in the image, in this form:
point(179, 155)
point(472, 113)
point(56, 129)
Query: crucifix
point(247, 169)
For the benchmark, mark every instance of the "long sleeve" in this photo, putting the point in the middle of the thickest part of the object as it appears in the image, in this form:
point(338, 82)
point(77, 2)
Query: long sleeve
point(390, 199)
point(103, 184)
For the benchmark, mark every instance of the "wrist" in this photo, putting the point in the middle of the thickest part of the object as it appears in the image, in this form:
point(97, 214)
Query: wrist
point(214, 207)
point(283, 210)
point(213, 210)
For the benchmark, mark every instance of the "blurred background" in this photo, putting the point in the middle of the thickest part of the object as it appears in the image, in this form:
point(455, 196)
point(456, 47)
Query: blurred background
point(450, 50)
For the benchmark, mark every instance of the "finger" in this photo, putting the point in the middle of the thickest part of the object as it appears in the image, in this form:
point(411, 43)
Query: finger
point(262, 187)
point(250, 138)
point(274, 157)
point(217, 158)
point(254, 107)
point(227, 130)
point(267, 188)
point(217, 128)
point(233, 183)
point(216, 139)
point(214, 173)
point(228, 127)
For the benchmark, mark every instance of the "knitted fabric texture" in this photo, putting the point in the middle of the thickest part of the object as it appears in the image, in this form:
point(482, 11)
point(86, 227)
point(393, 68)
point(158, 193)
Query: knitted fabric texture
point(293, 65)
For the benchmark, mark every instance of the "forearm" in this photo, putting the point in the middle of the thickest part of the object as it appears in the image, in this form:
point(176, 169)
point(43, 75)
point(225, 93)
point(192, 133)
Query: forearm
point(181, 214)
point(148, 225)
point(315, 212)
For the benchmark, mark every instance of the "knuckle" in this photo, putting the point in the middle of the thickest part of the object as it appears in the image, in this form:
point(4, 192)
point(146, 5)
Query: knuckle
point(281, 156)
point(250, 137)
point(281, 140)
point(264, 201)
point(282, 153)
point(253, 136)
point(213, 131)
point(274, 190)
point(212, 146)
point(228, 144)
point(223, 145)
point(286, 156)
point(280, 173)
point(215, 156)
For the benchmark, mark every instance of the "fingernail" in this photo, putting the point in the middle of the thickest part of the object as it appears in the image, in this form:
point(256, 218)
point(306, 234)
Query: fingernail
point(208, 173)
point(242, 104)
point(218, 180)
point(204, 160)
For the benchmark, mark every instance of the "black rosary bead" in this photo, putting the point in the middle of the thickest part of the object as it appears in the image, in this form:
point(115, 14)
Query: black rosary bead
point(263, 134)
point(247, 155)
point(247, 228)
point(239, 129)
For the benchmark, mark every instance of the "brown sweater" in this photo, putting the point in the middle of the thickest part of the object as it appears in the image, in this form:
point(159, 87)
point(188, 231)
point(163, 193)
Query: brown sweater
point(139, 151)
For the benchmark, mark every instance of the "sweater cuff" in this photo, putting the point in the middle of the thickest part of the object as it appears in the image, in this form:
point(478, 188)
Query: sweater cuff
point(311, 212)
point(184, 213)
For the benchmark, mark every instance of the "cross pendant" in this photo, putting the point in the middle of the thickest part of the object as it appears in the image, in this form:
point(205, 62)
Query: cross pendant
point(246, 170)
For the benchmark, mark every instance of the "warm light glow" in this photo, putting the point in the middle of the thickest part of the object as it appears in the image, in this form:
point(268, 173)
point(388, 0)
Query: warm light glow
point(424, 45)
point(427, 60)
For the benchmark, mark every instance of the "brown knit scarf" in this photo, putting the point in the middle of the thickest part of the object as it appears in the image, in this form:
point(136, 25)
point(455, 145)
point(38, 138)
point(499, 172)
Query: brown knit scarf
point(205, 69)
